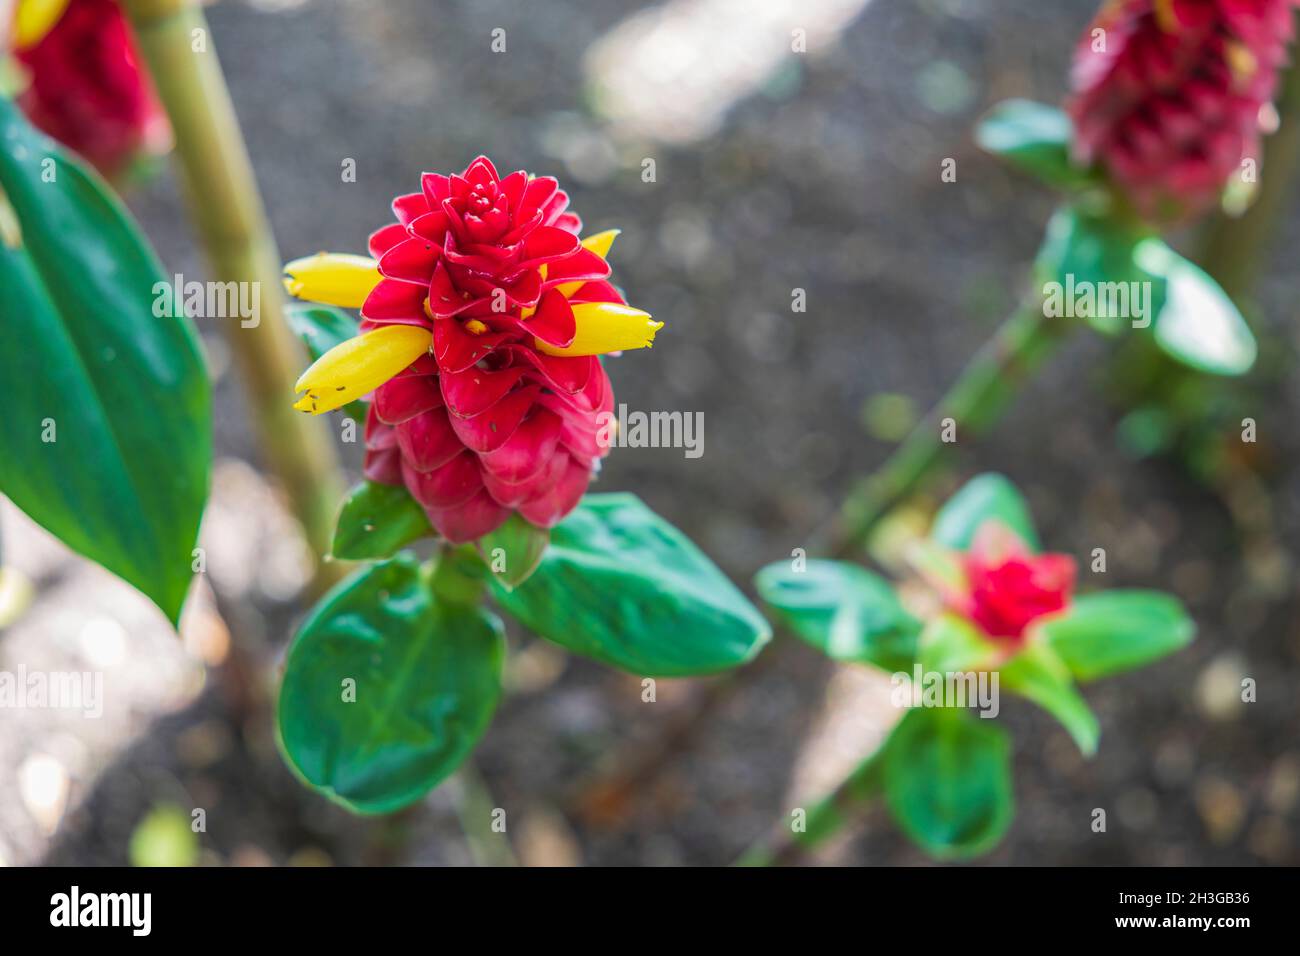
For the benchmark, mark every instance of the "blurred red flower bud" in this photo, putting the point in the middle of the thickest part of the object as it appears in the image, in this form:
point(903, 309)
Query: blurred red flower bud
point(88, 90)
point(1168, 96)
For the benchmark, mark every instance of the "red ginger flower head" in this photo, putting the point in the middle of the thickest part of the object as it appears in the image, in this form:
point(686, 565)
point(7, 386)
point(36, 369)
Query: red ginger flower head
point(1007, 587)
point(483, 314)
point(87, 88)
point(1168, 98)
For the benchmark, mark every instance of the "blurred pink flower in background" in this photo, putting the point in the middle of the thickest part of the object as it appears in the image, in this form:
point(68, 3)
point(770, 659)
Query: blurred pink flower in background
point(1169, 94)
point(87, 88)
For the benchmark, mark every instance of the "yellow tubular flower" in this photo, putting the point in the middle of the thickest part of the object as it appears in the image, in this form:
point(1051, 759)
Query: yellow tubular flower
point(34, 19)
point(599, 244)
point(606, 327)
point(358, 366)
point(1165, 15)
point(332, 278)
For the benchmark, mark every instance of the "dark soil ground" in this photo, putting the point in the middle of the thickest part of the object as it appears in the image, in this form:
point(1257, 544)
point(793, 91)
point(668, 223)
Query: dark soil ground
point(826, 178)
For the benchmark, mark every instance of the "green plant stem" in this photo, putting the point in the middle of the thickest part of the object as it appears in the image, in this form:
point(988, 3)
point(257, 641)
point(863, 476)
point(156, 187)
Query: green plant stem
point(228, 214)
point(974, 403)
point(843, 804)
point(474, 806)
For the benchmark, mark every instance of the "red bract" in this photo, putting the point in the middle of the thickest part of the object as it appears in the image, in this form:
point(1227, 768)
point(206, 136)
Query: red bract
point(1008, 587)
point(88, 90)
point(488, 422)
point(1168, 98)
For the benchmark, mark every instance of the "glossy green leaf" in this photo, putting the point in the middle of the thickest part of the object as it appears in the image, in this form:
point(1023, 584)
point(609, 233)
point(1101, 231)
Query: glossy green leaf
point(983, 497)
point(376, 521)
point(843, 610)
point(1113, 631)
point(1038, 674)
point(1033, 136)
point(1198, 324)
point(947, 779)
point(107, 440)
point(321, 327)
point(513, 551)
point(426, 678)
point(1089, 274)
point(621, 585)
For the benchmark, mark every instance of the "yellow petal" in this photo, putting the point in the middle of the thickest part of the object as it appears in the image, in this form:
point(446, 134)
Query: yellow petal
point(599, 244)
point(34, 19)
point(1241, 61)
point(606, 327)
point(1166, 18)
point(359, 365)
point(332, 278)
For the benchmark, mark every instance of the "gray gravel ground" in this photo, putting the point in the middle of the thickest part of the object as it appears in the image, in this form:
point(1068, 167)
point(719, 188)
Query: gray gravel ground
point(825, 178)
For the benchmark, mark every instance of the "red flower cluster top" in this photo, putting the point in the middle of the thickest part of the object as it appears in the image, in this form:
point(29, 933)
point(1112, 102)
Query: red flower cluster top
point(1168, 95)
point(494, 312)
point(1007, 587)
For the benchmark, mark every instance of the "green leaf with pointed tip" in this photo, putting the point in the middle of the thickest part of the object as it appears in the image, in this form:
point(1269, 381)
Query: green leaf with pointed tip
point(1089, 273)
point(376, 521)
point(1197, 323)
point(983, 497)
point(947, 781)
point(107, 439)
point(1036, 673)
point(843, 610)
point(1114, 631)
point(1035, 137)
point(513, 551)
point(321, 327)
point(424, 678)
point(621, 585)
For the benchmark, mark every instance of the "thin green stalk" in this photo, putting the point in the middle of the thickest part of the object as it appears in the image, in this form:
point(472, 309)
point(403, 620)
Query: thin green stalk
point(974, 403)
point(228, 214)
point(474, 807)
